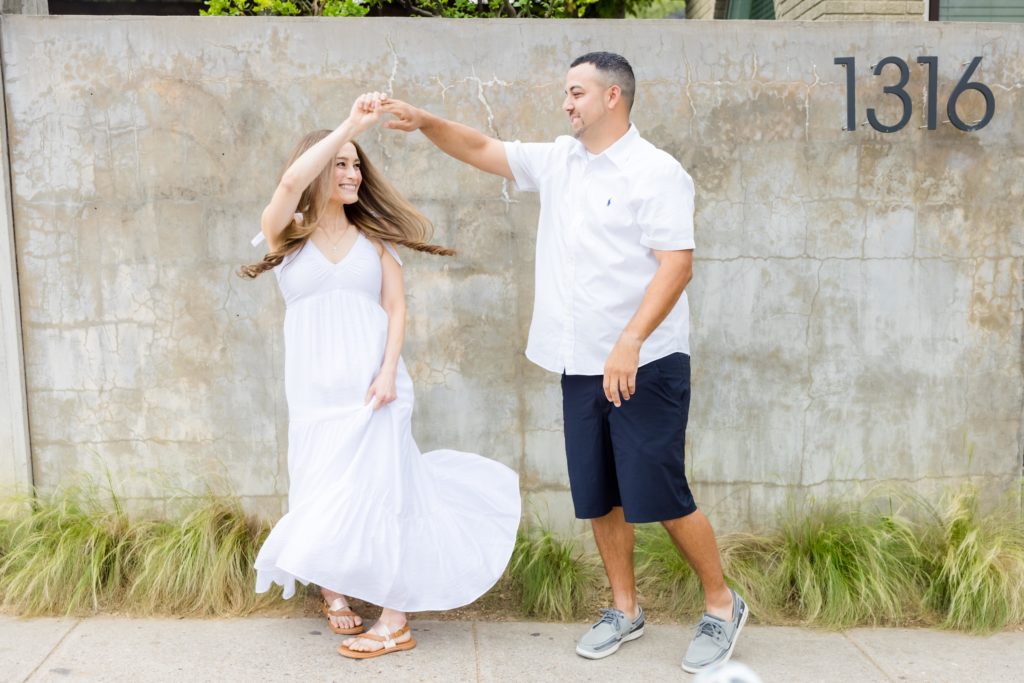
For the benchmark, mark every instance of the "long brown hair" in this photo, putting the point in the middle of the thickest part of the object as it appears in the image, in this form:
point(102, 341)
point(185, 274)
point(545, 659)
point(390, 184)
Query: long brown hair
point(381, 211)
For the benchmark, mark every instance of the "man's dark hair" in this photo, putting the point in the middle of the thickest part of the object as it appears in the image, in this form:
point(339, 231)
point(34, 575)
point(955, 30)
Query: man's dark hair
point(615, 68)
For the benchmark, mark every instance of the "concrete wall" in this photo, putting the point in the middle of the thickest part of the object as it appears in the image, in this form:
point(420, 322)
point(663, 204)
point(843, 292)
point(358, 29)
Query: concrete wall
point(856, 305)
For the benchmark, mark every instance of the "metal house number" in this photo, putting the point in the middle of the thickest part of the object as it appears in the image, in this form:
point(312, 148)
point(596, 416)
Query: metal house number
point(899, 90)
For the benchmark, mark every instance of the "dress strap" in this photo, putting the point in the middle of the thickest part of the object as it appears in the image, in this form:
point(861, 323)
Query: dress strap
point(394, 252)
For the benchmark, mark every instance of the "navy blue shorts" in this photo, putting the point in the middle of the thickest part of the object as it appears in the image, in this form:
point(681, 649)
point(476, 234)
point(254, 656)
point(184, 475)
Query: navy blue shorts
point(630, 456)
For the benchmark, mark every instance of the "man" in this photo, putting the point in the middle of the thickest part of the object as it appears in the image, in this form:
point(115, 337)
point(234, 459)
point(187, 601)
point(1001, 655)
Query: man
point(614, 254)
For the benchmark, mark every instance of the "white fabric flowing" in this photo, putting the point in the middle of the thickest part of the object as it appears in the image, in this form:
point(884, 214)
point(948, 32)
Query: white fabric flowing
point(369, 515)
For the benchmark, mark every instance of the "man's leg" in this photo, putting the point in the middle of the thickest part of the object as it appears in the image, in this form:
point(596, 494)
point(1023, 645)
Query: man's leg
point(695, 539)
point(725, 611)
point(648, 436)
point(595, 496)
point(614, 536)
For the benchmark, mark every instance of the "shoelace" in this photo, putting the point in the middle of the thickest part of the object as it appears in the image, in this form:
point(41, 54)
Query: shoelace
point(608, 616)
point(712, 629)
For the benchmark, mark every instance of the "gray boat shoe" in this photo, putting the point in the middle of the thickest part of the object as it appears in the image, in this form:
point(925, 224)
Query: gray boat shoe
point(611, 631)
point(716, 638)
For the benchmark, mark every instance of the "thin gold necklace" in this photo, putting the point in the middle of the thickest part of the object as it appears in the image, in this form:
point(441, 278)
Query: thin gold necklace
point(335, 244)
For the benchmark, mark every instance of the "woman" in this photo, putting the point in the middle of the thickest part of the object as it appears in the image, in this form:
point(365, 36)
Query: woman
point(369, 515)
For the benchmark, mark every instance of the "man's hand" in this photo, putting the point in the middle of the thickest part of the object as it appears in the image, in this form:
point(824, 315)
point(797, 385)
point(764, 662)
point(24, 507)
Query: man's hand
point(620, 369)
point(461, 142)
point(407, 117)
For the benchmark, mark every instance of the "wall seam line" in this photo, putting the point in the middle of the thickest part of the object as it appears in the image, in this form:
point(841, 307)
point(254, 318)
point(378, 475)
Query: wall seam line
point(18, 380)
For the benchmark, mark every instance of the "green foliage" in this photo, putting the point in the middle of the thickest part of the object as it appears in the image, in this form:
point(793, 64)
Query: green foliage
point(842, 567)
point(664, 578)
point(285, 8)
point(826, 565)
point(747, 560)
point(6, 536)
point(657, 9)
point(202, 565)
point(844, 564)
point(452, 9)
point(551, 576)
point(833, 564)
point(976, 565)
point(77, 552)
point(66, 556)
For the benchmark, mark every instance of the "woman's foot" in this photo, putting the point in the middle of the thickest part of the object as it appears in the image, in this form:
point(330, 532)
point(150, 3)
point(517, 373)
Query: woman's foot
point(390, 622)
point(336, 602)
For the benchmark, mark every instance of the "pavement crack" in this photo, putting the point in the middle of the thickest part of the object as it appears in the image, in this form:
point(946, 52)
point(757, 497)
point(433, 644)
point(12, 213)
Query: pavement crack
point(864, 653)
point(476, 651)
point(52, 650)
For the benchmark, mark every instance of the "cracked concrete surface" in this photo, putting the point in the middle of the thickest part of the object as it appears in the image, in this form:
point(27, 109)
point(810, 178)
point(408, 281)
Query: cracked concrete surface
point(856, 307)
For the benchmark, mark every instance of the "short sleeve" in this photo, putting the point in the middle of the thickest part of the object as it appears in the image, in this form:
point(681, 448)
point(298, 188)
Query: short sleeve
point(666, 210)
point(528, 161)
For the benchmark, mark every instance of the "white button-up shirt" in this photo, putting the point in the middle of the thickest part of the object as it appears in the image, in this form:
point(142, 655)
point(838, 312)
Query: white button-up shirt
point(600, 218)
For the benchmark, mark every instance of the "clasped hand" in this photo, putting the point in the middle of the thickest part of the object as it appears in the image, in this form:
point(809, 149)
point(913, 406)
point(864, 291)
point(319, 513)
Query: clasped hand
point(368, 107)
point(382, 391)
point(366, 111)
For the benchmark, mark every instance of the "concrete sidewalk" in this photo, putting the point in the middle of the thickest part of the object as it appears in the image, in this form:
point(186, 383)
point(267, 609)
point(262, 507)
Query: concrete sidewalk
point(302, 649)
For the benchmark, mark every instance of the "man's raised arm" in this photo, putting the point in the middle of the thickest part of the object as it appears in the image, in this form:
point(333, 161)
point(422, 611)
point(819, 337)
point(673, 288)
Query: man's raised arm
point(466, 144)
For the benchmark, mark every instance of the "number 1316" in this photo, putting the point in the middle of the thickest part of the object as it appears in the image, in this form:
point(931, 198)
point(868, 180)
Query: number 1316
point(899, 90)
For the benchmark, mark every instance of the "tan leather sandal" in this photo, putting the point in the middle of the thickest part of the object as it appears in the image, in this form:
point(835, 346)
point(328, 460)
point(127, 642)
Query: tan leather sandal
point(389, 643)
point(340, 611)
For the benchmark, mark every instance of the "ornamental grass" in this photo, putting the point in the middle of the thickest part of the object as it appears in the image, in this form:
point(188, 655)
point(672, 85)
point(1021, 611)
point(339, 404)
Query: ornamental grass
point(897, 560)
point(77, 552)
point(551, 577)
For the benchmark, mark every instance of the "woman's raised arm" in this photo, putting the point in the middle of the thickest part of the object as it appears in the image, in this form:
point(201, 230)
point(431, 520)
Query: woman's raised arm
point(279, 212)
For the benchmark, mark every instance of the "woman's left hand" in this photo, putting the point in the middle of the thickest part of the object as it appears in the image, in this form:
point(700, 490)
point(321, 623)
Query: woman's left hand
point(382, 391)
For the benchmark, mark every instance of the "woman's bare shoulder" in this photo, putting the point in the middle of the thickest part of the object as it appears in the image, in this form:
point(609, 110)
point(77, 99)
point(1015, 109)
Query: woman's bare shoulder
point(377, 244)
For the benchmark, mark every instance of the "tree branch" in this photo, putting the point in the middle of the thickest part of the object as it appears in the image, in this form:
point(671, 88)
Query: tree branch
point(415, 9)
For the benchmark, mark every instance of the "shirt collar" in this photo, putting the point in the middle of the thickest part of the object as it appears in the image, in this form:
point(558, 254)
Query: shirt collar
point(618, 152)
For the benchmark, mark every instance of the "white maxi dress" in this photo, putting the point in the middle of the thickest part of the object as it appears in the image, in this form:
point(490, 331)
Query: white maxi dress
point(368, 514)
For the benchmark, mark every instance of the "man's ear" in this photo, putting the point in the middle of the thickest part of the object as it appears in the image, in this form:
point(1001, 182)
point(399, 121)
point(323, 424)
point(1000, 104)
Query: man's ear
point(613, 97)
